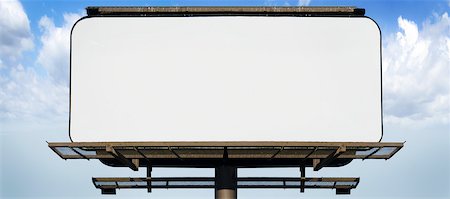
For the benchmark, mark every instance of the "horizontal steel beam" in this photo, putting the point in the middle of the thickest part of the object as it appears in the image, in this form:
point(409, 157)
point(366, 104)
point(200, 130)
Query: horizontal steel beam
point(226, 10)
point(226, 144)
point(209, 182)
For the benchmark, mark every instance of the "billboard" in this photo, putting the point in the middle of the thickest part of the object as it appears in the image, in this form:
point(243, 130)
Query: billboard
point(225, 78)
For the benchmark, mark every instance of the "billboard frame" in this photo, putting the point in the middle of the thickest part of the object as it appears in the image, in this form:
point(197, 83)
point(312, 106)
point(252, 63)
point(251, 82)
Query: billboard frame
point(207, 11)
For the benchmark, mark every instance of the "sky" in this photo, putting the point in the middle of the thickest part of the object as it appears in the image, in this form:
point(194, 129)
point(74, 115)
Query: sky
point(34, 96)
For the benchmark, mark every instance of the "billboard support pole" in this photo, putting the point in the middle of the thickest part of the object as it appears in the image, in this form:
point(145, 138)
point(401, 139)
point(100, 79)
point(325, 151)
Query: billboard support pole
point(302, 178)
point(226, 182)
point(149, 178)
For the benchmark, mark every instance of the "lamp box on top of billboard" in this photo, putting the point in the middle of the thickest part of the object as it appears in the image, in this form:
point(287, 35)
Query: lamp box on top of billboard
point(225, 78)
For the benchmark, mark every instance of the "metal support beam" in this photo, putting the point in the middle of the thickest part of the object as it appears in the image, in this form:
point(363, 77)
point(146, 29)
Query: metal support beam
point(143, 156)
point(315, 163)
point(368, 156)
point(302, 178)
point(149, 177)
point(226, 182)
point(77, 152)
point(343, 191)
point(225, 153)
point(394, 152)
point(176, 154)
point(226, 10)
point(135, 162)
point(109, 191)
point(132, 164)
point(275, 154)
point(210, 183)
point(310, 153)
point(320, 163)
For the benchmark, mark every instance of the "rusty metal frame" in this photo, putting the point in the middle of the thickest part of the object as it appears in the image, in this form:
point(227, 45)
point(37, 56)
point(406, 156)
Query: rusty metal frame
point(129, 153)
point(226, 10)
point(321, 154)
point(192, 182)
point(225, 144)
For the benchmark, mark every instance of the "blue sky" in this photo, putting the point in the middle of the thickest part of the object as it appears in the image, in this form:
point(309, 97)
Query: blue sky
point(34, 48)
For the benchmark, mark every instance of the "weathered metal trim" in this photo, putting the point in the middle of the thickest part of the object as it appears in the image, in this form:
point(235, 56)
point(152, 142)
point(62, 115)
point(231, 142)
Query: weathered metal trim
point(169, 185)
point(225, 144)
point(227, 10)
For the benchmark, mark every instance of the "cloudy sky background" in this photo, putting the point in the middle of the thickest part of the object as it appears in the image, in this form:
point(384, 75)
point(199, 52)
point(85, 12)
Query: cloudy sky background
point(34, 96)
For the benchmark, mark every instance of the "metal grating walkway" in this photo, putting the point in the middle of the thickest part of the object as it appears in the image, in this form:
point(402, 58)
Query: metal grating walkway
point(206, 154)
point(108, 185)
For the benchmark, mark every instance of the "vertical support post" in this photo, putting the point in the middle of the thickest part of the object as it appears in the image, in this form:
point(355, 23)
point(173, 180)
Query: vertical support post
point(149, 178)
point(302, 178)
point(226, 182)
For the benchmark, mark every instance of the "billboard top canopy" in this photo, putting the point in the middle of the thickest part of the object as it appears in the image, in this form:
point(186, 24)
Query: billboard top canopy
point(227, 10)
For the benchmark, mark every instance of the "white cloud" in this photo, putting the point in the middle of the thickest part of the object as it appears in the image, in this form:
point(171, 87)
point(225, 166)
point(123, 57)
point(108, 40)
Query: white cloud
point(54, 55)
point(416, 72)
point(304, 2)
point(15, 34)
point(25, 93)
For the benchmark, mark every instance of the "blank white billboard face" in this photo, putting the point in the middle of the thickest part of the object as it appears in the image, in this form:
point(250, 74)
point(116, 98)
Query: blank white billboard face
point(226, 79)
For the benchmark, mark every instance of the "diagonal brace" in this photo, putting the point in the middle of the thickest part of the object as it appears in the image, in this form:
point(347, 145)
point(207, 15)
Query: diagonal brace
point(320, 163)
point(134, 164)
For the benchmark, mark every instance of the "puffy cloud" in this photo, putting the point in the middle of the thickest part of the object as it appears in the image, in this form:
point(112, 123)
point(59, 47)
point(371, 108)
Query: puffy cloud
point(54, 55)
point(15, 34)
point(416, 72)
point(26, 94)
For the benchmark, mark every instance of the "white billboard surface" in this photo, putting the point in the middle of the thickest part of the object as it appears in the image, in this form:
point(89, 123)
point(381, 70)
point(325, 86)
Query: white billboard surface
point(225, 79)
